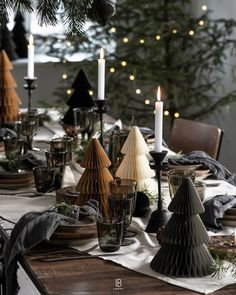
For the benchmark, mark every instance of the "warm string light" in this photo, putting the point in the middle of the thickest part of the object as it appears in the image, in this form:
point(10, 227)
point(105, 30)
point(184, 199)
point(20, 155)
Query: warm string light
point(124, 63)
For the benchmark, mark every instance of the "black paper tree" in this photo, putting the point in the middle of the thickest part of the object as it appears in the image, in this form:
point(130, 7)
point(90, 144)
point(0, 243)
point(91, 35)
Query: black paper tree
point(80, 98)
point(19, 36)
point(183, 241)
point(7, 43)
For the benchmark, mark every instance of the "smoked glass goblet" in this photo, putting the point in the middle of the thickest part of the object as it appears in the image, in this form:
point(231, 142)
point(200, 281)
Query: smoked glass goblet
point(122, 202)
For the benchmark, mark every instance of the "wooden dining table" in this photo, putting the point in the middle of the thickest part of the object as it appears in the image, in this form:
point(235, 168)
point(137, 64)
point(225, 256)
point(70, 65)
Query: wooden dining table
point(93, 276)
point(90, 276)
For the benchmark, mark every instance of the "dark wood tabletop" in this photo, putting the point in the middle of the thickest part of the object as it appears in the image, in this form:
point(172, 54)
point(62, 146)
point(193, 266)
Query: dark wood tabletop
point(100, 277)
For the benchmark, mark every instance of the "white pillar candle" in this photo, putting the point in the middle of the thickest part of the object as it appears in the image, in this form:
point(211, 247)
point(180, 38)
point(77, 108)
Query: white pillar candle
point(158, 122)
point(30, 72)
point(101, 75)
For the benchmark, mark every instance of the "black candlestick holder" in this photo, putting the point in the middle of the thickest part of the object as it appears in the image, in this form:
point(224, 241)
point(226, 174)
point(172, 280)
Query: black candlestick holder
point(160, 216)
point(101, 109)
point(30, 86)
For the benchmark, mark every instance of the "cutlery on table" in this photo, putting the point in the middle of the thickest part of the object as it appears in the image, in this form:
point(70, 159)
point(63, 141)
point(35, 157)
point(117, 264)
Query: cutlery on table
point(64, 258)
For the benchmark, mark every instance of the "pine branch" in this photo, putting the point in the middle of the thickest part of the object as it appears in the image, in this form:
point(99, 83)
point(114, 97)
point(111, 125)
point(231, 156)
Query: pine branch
point(47, 10)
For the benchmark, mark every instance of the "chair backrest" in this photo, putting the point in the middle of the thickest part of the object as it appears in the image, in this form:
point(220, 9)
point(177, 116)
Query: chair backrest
point(187, 136)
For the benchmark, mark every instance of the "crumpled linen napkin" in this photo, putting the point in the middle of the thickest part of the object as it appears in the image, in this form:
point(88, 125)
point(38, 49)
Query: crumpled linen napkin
point(200, 157)
point(215, 208)
point(30, 230)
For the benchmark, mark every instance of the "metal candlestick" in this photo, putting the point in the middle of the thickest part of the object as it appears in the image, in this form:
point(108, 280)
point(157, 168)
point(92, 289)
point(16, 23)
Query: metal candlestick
point(30, 86)
point(160, 216)
point(101, 109)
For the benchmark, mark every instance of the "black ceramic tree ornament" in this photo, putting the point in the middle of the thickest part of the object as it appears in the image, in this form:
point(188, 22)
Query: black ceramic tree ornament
point(183, 241)
point(80, 98)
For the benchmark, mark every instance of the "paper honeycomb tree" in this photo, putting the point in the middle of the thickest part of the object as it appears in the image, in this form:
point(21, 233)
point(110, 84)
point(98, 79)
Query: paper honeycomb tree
point(183, 249)
point(9, 100)
point(80, 98)
point(94, 182)
point(135, 164)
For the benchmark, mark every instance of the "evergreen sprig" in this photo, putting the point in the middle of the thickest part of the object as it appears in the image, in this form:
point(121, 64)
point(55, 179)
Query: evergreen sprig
point(74, 13)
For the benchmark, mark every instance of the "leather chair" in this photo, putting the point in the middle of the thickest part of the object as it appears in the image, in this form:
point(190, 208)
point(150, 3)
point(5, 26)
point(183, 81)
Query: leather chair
point(187, 136)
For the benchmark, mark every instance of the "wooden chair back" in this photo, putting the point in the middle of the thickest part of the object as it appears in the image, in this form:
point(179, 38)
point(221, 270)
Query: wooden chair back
point(187, 136)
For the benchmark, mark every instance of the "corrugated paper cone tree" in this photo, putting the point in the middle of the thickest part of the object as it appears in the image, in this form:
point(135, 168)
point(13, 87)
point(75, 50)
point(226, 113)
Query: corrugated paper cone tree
point(94, 182)
point(135, 164)
point(9, 100)
point(183, 249)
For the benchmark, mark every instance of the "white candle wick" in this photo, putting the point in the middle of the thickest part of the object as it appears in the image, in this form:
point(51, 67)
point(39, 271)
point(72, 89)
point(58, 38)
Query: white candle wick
point(31, 39)
point(159, 93)
point(101, 53)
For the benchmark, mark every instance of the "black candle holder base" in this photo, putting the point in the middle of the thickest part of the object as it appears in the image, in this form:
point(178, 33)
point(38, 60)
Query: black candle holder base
point(160, 216)
point(158, 219)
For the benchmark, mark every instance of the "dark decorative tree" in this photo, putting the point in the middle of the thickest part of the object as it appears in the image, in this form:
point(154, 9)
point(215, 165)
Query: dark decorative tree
point(19, 36)
point(7, 42)
point(183, 241)
point(80, 98)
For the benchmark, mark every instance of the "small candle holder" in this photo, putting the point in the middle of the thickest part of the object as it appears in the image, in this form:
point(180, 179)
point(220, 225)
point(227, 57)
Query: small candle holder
point(160, 216)
point(101, 109)
point(30, 86)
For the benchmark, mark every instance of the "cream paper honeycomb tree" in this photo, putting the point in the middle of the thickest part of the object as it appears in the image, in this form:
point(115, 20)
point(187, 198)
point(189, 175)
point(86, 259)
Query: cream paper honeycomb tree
point(135, 164)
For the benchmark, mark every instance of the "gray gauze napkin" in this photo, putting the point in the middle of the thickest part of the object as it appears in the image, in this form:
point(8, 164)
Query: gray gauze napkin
point(215, 209)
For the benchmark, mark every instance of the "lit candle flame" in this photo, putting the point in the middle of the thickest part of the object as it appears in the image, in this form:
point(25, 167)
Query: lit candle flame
point(101, 53)
point(31, 39)
point(158, 93)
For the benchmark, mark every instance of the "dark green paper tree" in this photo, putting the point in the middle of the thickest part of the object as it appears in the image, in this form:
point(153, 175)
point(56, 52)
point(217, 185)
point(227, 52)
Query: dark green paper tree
point(183, 249)
point(19, 38)
point(80, 98)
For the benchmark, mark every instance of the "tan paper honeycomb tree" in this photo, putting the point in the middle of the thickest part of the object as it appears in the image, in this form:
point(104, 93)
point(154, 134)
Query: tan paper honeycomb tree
point(94, 182)
point(9, 100)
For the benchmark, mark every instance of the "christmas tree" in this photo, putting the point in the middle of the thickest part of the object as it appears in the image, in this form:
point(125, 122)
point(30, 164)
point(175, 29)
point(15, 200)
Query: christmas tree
point(183, 249)
point(163, 43)
point(9, 100)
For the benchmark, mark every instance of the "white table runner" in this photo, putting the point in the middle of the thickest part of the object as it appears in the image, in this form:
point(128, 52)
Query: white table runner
point(136, 257)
